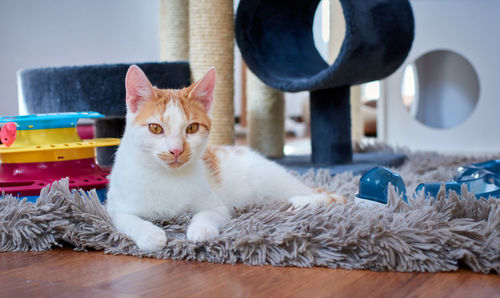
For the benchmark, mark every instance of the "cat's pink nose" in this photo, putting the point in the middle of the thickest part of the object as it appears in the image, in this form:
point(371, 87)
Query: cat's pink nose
point(176, 152)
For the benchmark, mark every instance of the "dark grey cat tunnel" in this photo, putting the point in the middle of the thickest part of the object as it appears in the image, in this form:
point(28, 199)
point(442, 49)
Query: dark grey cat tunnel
point(276, 41)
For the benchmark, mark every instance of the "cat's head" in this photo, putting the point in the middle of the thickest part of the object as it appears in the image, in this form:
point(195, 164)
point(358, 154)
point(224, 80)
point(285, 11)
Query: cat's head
point(169, 125)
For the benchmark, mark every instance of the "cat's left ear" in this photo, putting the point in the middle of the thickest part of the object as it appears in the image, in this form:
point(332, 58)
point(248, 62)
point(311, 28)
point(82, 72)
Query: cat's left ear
point(203, 90)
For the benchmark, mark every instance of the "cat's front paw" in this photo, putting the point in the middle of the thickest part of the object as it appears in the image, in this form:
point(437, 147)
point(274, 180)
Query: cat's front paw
point(201, 232)
point(151, 239)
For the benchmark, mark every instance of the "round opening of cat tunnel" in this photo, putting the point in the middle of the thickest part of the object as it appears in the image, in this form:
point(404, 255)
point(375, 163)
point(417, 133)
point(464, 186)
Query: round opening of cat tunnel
point(329, 29)
point(440, 89)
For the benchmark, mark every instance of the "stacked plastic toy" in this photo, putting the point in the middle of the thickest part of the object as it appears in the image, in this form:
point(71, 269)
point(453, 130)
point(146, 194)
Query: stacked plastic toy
point(40, 149)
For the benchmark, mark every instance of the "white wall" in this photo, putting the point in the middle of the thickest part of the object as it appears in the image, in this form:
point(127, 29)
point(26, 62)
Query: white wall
point(72, 32)
point(471, 29)
point(78, 32)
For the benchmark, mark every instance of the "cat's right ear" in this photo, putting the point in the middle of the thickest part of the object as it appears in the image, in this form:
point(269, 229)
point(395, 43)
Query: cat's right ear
point(138, 88)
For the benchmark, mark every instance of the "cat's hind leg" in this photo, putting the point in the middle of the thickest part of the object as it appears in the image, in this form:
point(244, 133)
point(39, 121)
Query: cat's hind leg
point(275, 182)
point(317, 198)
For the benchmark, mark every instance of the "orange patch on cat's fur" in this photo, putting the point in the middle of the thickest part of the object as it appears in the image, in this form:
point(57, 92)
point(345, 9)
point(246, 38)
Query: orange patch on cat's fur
point(193, 109)
point(212, 163)
point(320, 190)
point(337, 199)
point(334, 198)
point(220, 149)
point(154, 106)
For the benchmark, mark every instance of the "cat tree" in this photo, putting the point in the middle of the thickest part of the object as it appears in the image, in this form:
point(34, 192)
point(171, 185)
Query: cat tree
point(265, 116)
point(276, 42)
point(209, 27)
point(174, 30)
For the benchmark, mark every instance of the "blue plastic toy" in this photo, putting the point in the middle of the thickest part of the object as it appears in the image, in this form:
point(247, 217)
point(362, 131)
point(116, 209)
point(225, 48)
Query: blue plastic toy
point(482, 179)
point(374, 185)
point(478, 170)
point(485, 186)
point(432, 188)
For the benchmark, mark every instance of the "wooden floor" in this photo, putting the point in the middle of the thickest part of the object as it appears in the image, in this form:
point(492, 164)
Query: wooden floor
point(65, 273)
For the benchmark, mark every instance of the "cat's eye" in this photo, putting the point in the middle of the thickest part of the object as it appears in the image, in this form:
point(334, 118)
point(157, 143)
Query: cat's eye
point(192, 128)
point(155, 128)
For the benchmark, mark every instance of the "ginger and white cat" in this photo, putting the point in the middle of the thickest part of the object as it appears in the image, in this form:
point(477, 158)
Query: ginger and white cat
point(164, 167)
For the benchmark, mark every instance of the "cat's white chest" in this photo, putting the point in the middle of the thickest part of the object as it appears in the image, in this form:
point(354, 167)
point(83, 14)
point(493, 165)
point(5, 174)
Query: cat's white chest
point(153, 193)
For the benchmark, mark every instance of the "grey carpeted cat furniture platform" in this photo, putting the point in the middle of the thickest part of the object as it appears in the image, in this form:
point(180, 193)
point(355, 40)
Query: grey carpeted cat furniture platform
point(99, 88)
point(276, 42)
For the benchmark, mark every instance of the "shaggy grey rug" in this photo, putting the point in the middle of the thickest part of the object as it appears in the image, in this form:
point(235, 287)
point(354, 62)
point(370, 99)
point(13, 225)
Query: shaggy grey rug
point(426, 235)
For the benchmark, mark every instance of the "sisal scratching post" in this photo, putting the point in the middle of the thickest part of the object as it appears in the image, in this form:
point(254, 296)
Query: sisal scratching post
point(211, 39)
point(266, 117)
point(174, 30)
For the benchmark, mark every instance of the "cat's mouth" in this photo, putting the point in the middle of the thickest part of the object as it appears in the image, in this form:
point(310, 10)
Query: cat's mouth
point(175, 164)
point(171, 161)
